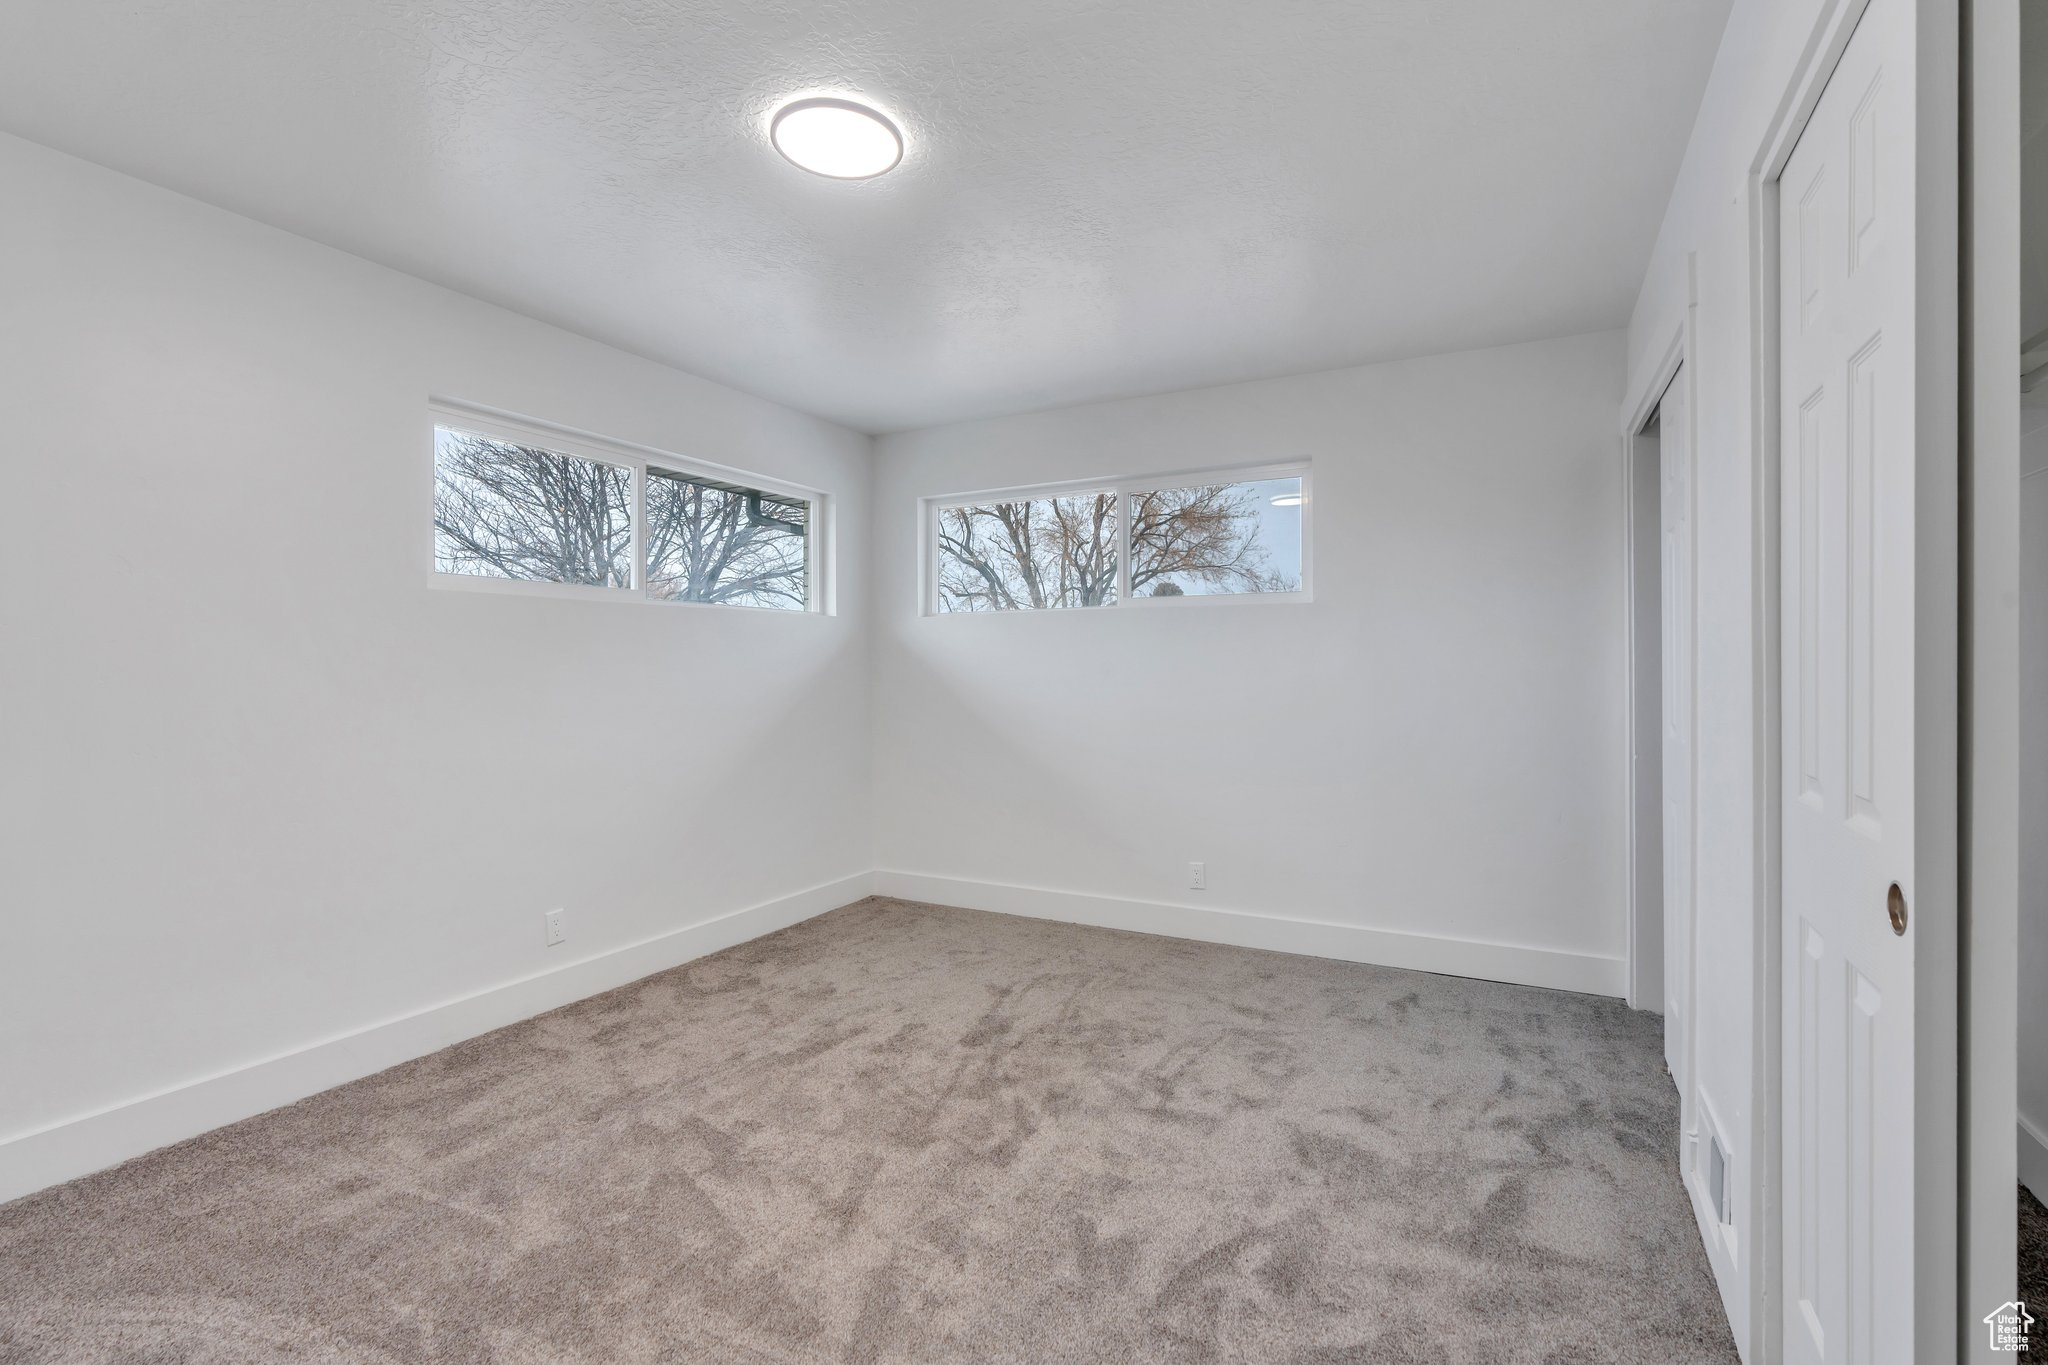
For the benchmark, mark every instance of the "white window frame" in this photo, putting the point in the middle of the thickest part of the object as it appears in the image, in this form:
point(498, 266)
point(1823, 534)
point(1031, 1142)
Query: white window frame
point(638, 459)
point(1122, 489)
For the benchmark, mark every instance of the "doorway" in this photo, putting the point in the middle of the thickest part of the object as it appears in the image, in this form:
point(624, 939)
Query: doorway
point(1662, 722)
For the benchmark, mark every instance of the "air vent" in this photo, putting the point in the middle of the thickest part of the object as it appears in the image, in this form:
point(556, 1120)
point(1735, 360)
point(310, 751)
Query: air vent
point(1717, 1178)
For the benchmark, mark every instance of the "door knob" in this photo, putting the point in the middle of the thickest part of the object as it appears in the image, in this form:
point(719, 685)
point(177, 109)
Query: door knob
point(1895, 906)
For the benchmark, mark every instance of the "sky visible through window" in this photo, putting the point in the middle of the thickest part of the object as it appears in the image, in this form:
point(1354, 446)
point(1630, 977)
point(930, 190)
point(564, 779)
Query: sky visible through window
point(1061, 551)
point(511, 511)
point(719, 542)
point(1217, 538)
point(507, 510)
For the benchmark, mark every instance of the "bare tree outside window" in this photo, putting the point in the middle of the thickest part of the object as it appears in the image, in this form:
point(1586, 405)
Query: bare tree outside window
point(511, 511)
point(1062, 551)
point(1216, 538)
point(718, 542)
point(1048, 552)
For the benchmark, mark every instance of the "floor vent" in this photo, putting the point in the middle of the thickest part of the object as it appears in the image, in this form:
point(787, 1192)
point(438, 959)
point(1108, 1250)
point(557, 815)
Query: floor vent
point(1717, 1178)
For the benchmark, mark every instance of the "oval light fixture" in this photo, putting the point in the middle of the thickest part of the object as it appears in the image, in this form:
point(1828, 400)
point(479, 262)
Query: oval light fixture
point(1288, 500)
point(836, 138)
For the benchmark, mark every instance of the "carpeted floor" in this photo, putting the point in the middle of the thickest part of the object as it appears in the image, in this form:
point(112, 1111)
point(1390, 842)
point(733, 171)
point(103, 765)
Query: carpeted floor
point(899, 1132)
point(2033, 1269)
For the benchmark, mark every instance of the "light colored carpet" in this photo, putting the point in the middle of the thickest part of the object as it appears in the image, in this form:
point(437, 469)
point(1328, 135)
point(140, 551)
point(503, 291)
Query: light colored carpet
point(900, 1132)
point(2033, 1269)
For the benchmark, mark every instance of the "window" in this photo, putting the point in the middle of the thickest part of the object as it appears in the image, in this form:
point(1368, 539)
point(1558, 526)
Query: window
point(1046, 552)
point(544, 508)
point(512, 511)
point(1123, 543)
point(720, 542)
point(1214, 538)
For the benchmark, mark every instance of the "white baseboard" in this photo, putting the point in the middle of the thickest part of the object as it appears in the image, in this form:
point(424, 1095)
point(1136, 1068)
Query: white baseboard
point(1314, 938)
point(90, 1142)
point(2033, 1159)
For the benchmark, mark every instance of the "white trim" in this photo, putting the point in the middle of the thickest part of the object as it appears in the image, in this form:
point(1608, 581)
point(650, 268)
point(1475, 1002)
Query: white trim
point(1125, 483)
point(441, 581)
point(1936, 343)
point(1224, 599)
point(80, 1145)
point(1837, 19)
point(529, 587)
point(1486, 961)
point(1121, 488)
point(1640, 995)
point(1992, 455)
point(1655, 381)
point(2033, 1159)
point(1675, 363)
point(90, 1142)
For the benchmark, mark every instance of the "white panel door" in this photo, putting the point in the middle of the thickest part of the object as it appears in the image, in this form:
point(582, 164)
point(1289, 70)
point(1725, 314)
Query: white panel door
point(1846, 238)
point(1674, 454)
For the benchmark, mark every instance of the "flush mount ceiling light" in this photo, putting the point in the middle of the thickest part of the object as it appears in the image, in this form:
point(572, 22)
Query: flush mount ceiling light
point(836, 138)
point(1288, 500)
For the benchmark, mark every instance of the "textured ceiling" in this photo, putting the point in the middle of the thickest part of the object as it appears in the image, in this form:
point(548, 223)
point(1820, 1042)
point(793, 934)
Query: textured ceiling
point(1099, 198)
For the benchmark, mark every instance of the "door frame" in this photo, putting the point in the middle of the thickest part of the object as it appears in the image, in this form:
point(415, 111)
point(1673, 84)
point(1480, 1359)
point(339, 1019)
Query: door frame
point(1675, 358)
point(1643, 982)
point(1938, 1322)
point(1991, 677)
point(1698, 1116)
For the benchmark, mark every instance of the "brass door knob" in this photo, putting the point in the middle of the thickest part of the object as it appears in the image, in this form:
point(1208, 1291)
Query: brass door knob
point(1895, 906)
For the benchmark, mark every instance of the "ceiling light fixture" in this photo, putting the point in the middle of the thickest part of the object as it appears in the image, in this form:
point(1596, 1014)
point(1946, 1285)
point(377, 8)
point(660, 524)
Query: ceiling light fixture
point(836, 138)
point(1288, 500)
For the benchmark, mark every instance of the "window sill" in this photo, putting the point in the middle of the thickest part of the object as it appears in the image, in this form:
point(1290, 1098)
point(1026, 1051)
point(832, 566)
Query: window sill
point(580, 592)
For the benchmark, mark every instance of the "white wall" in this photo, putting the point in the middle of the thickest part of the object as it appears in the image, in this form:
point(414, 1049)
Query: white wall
point(260, 785)
point(2033, 959)
point(2033, 880)
point(1706, 238)
point(1708, 221)
point(1427, 760)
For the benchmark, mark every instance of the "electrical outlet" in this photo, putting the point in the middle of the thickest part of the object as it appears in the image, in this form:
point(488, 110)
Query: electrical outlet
point(1198, 876)
point(556, 934)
